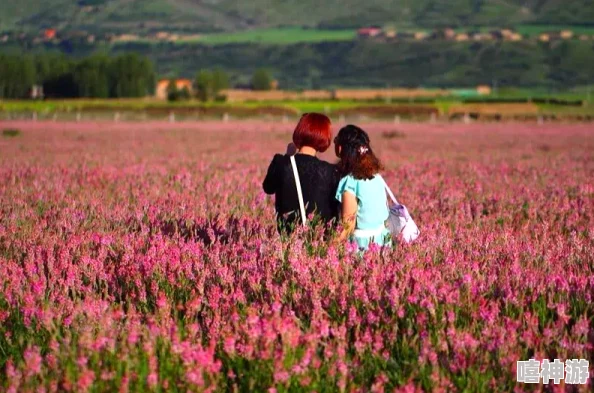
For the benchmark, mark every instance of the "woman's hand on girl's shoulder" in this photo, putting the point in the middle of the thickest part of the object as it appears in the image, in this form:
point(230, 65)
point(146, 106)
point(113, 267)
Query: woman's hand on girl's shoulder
point(291, 149)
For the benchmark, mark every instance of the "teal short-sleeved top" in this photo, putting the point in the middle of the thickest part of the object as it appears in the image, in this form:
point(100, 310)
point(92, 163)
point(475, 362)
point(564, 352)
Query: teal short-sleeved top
point(372, 211)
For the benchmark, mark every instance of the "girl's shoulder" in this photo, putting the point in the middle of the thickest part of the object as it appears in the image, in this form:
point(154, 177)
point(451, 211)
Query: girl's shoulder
point(362, 185)
point(379, 178)
point(351, 179)
point(348, 183)
point(378, 182)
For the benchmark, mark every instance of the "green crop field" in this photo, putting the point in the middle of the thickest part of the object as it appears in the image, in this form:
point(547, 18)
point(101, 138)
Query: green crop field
point(584, 93)
point(534, 30)
point(443, 104)
point(142, 104)
point(281, 36)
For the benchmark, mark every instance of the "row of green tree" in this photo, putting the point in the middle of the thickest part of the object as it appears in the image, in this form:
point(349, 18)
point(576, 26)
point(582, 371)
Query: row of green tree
point(208, 85)
point(97, 76)
point(359, 63)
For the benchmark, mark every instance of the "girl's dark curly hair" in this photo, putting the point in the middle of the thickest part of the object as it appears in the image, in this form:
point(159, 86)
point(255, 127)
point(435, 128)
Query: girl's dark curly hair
point(356, 156)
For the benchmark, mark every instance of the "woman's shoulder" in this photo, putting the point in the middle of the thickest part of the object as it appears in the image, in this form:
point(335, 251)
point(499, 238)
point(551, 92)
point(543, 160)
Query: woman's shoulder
point(279, 159)
point(325, 165)
point(317, 163)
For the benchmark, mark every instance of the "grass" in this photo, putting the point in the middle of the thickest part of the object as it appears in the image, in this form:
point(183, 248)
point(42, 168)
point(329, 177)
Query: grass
point(585, 93)
point(549, 109)
point(11, 132)
point(272, 36)
point(73, 106)
point(282, 36)
point(139, 104)
point(325, 106)
point(316, 106)
point(533, 30)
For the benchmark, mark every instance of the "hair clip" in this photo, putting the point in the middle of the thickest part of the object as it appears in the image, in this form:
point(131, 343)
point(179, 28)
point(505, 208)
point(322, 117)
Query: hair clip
point(363, 149)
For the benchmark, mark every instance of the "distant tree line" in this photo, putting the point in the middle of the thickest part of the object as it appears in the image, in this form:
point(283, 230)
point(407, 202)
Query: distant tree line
point(97, 76)
point(362, 63)
point(359, 63)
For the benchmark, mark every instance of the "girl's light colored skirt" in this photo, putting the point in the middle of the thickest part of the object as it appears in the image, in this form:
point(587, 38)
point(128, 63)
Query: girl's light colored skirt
point(364, 237)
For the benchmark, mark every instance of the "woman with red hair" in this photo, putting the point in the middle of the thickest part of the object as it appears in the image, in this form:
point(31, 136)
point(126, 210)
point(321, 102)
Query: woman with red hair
point(318, 178)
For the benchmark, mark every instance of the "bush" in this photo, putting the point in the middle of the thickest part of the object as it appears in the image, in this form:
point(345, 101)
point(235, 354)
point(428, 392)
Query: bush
point(262, 80)
point(210, 83)
point(184, 94)
point(11, 132)
point(220, 98)
point(175, 94)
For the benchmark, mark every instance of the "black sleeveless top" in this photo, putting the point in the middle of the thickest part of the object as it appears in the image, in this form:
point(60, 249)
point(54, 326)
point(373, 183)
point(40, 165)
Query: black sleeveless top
point(319, 181)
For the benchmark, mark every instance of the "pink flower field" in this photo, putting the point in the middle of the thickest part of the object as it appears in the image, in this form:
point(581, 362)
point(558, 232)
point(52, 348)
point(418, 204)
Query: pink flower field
point(145, 258)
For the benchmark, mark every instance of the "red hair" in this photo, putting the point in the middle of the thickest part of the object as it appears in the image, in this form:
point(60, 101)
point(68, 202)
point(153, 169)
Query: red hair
point(313, 130)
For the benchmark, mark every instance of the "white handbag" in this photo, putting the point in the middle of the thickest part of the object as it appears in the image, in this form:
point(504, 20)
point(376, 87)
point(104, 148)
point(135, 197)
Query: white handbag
point(299, 192)
point(399, 221)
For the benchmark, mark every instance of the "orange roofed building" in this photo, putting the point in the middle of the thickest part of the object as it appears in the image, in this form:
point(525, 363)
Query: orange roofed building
point(49, 34)
point(163, 84)
point(369, 31)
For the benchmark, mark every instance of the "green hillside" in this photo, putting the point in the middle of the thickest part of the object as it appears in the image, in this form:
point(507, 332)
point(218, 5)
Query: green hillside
point(232, 15)
point(361, 63)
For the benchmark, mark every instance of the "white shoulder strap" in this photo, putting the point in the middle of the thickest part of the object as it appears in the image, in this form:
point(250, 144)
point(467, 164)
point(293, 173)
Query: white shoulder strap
point(299, 192)
point(390, 193)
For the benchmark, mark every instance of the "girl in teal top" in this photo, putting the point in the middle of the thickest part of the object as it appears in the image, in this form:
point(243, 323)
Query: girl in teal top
point(361, 190)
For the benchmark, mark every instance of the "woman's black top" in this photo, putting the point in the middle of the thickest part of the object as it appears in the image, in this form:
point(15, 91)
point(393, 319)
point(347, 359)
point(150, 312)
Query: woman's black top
point(319, 181)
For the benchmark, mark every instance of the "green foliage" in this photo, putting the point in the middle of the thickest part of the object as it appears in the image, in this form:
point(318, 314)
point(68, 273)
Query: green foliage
point(203, 85)
point(261, 80)
point(184, 94)
point(172, 92)
point(220, 98)
point(56, 73)
point(92, 2)
point(97, 76)
point(403, 64)
point(279, 36)
point(220, 81)
point(209, 84)
point(231, 15)
point(17, 76)
point(11, 132)
point(132, 76)
point(92, 77)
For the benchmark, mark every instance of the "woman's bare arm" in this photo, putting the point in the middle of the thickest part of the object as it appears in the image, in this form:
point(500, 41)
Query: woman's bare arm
point(349, 215)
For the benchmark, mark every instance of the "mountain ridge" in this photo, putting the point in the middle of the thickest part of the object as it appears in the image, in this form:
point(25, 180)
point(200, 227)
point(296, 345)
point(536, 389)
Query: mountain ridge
point(232, 15)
